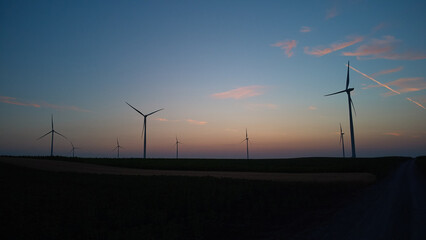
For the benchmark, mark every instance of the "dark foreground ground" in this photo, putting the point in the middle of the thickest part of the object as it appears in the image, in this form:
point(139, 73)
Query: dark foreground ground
point(38, 204)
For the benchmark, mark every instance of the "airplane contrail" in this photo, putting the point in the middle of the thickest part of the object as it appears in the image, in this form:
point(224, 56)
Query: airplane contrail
point(385, 86)
point(409, 99)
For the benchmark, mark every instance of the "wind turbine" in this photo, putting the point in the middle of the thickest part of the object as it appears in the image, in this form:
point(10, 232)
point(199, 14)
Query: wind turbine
point(73, 149)
point(342, 140)
point(247, 141)
point(351, 104)
point(118, 149)
point(53, 133)
point(177, 148)
point(144, 126)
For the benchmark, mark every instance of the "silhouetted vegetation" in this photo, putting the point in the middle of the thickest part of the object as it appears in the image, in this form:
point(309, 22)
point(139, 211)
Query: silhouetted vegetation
point(50, 205)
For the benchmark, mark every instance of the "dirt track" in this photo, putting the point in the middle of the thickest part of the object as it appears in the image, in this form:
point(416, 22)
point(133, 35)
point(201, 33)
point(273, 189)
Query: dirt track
point(64, 166)
point(395, 208)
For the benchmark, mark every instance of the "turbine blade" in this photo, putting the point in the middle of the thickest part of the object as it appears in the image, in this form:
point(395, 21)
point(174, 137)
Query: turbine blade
point(44, 135)
point(143, 130)
point(154, 112)
point(52, 121)
point(135, 109)
point(347, 78)
point(61, 135)
point(243, 141)
point(340, 128)
point(335, 93)
point(353, 106)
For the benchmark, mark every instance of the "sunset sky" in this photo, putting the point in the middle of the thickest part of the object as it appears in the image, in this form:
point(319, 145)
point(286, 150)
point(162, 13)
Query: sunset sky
point(217, 68)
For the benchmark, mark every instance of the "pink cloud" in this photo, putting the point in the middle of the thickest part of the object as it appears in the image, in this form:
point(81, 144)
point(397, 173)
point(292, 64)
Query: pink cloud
point(387, 71)
point(321, 51)
point(395, 134)
point(331, 13)
point(384, 48)
point(305, 29)
point(312, 108)
point(240, 93)
point(162, 119)
point(191, 121)
point(409, 84)
point(287, 46)
point(12, 100)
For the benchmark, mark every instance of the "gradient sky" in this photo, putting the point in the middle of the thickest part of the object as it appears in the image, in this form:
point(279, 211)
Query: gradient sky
point(217, 67)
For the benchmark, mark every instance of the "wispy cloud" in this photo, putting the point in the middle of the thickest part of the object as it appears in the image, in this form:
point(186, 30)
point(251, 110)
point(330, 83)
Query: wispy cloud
point(287, 46)
point(162, 119)
point(404, 85)
point(386, 86)
point(14, 101)
point(331, 13)
point(395, 134)
point(387, 71)
point(321, 51)
point(409, 84)
point(313, 108)
point(305, 29)
point(191, 121)
point(240, 93)
point(261, 106)
point(385, 49)
point(378, 27)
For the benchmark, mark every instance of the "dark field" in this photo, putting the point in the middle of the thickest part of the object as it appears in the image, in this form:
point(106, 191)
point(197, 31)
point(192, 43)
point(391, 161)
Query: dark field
point(377, 166)
point(49, 205)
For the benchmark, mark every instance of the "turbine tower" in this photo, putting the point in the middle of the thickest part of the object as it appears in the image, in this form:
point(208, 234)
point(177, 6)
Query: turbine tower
point(53, 133)
point(73, 149)
point(247, 141)
point(342, 140)
point(118, 149)
point(177, 148)
point(144, 126)
point(351, 105)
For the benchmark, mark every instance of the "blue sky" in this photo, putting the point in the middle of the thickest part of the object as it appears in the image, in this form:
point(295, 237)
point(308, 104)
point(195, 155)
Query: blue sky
point(217, 67)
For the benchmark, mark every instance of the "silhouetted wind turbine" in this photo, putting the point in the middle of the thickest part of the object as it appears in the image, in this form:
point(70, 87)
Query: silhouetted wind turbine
point(144, 126)
point(177, 148)
point(118, 149)
point(73, 149)
point(351, 104)
point(247, 141)
point(53, 133)
point(342, 140)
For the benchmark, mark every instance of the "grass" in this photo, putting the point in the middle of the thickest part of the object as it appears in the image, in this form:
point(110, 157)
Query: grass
point(377, 166)
point(49, 205)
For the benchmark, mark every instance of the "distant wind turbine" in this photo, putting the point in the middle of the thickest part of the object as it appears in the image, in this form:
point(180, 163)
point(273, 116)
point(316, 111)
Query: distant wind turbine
point(247, 141)
point(342, 140)
point(177, 148)
point(53, 133)
point(73, 149)
point(351, 104)
point(118, 149)
point(144, 126)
